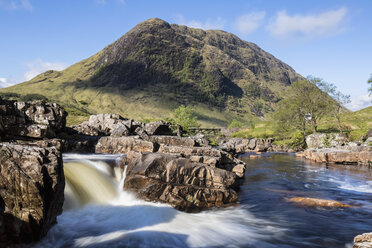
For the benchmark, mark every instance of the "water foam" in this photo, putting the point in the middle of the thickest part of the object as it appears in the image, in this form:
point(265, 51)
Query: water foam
point(129, 222)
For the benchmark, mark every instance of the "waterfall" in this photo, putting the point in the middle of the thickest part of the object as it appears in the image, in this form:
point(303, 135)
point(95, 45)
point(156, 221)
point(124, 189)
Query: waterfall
point(99, 213)
point(90, 182)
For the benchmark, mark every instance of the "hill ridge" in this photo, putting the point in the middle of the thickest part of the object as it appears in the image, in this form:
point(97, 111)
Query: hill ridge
point(156, 66)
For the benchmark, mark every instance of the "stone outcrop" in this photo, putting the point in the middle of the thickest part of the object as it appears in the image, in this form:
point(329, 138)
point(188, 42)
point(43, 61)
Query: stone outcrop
point(31, 119)
point(363, 240)
point(341, 155)
point(117, 126)
point(324, 140)
point(239, 145)
point(172, 140)
point(31, 192)
point(186, 151)
point(123, 145)
point(158, 128)
point(85, 129)
point(186, 185)
point(200, 139)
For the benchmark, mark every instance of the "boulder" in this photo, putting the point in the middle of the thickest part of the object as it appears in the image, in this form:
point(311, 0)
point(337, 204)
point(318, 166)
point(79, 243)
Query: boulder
point(186, 185)
point(239, 145)
point(158, 128)
point(200, 139)
point(209, 156)
point(113, 124)
point(363, 240)
point(31, 119)
point(120, 129)
point(187, 151)
point(85, 129)
point(324, 140)
point(172, 141)
point(123, 145)
point(31, 192)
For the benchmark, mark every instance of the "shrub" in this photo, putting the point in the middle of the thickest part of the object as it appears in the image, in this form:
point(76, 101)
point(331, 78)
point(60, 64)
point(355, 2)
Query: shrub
point(235, 124)
point(33, 97)
point(186, 117)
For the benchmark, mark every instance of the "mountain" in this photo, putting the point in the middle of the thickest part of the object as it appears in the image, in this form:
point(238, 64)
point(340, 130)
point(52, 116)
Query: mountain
point(157, 66)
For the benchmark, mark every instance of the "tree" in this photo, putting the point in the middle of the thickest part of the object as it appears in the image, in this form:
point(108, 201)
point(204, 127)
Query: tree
point(303, 103)
point(291, 116)
point(335, 106)
point(185, 116)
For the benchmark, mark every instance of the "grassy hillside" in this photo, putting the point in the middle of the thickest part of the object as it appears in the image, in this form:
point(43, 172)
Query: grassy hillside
point(356, 123)
point(156, 67)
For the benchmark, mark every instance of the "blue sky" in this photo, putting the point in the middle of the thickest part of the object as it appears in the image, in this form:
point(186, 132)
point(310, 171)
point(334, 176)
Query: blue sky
point(328, 39)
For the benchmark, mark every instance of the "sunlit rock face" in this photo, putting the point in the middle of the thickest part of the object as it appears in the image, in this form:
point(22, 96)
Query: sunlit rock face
point(31, 119)
point(186, 185)
point(341, 155)
point(31, 192)
point(363, 241)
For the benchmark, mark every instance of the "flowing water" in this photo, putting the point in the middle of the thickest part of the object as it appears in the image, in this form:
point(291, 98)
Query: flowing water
point(98, 213)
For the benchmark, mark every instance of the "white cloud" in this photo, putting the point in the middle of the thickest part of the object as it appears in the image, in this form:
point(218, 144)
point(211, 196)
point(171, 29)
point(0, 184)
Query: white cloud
point(248, 23)
point(359, 102)
point(15, 4)
point(38, 66)
point(323, 24)
point(218, 23)
point(6, 82)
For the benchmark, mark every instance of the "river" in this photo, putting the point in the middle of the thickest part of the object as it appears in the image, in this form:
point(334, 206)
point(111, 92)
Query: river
point(98, 213)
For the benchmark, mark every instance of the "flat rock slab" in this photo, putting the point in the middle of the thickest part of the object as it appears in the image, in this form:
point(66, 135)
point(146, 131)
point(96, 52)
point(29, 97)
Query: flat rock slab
point(340, 156)
point(172, 140)
point(316, 202)
point(123, 145)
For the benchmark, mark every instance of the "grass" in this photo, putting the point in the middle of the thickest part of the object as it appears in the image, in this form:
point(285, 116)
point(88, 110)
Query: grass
point(356, 123)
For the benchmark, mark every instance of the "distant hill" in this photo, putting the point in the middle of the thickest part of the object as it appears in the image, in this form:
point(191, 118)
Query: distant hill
point(157, 66)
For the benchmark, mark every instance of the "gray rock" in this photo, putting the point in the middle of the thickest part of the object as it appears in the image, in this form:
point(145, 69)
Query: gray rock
point(172, 140)
point(123, 145)
point(321, 140)
point(85, 129)
point(31, 192)
point(158, 128)
point(363, 240)
point(200, 139)
point(120, 129)
point(31, 119)
point(186, 185)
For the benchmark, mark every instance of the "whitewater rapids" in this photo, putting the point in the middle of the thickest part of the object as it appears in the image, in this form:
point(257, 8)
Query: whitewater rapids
point(98, 213)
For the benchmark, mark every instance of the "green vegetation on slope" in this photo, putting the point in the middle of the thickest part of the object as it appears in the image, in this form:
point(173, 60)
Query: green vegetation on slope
point(355, 123)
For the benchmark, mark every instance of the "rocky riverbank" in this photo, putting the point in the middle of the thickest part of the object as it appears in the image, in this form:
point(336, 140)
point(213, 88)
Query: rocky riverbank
point(163, 167)
point(31, 177)
point(340, 155)
point(334, 148)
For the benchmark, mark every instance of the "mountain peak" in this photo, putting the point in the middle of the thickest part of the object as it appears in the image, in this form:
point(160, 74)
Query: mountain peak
point(156, 66)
